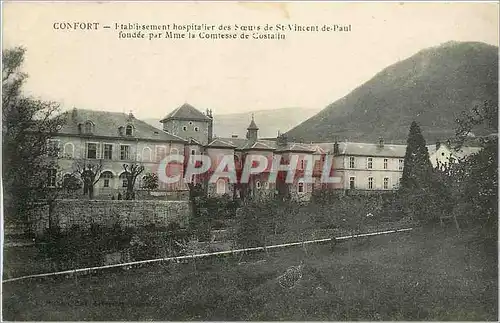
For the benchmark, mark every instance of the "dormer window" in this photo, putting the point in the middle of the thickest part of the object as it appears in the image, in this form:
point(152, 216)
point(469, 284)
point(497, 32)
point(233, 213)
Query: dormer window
point(129, 130)
point(89, 127)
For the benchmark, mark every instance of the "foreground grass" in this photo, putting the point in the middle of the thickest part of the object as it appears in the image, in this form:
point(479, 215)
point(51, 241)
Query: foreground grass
point(408, 276)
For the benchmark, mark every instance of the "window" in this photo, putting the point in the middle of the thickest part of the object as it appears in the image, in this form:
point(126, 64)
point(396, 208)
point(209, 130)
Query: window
point(51, 177)
point(190, 123)
point(88, 127)
point(386, 183)
point(107, 177)
point(160, 152)
point(124, 152)
point(193, 154)
point(352, 184)
point(301, 187)
point(196, 129)
point(369, 163)
point(174, 151)
point(221, 186)
point(351, 162)
point(108, 151)
point(146, 154)
point(128, 130)
point(258, 184)
point(92, 150)
point(69, 150)
point(302, 164)
point(401, 164)
point(123, 178)
point(386, 162)
point(184, 128)
point(370, 183)
point(266, 185)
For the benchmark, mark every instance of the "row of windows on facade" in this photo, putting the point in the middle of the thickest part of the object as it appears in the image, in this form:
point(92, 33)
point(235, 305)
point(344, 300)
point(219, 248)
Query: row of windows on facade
point(89, 128)
point(107, 179)
point(105, 151)
point(185, 128)
point(371, 183)
point(369, 163)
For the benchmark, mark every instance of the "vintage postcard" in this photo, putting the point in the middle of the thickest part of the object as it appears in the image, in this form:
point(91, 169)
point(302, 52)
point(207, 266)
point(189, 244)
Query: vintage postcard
point(250, 161)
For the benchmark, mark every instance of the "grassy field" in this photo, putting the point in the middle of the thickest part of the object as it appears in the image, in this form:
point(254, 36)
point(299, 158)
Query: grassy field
point(421, 275)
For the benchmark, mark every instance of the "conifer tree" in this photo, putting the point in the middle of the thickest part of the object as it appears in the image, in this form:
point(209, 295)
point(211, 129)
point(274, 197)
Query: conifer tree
point(418, 187)
point(417, 171)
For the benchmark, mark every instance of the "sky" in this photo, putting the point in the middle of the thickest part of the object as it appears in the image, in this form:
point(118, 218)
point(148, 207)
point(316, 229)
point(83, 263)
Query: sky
point(97, 70)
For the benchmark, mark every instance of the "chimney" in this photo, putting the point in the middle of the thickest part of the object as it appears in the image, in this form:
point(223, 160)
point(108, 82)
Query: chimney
point(438, 144)
point(130, 115)
point(210, 126)
point(74, 114)
point(234, 136)
point(381, 142)
point(336, 150)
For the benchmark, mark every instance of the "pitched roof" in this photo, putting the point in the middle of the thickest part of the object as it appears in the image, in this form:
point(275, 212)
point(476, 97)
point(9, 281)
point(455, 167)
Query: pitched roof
point(252, 125)
point(186, 112)
point(107, 124)
point(239, 143)
point(218, 143)
point(461, 153)
point(297, 147)
point(371, 150)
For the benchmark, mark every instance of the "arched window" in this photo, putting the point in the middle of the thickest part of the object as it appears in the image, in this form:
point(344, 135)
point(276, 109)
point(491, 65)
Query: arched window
point(129, 130)
point(258, 185)
point(123, 179)
point(221, 187)
point(301, 188)
point(174, 151)
point(89, 127)
point(69, 150)
point(107, 179)
point(146, 154)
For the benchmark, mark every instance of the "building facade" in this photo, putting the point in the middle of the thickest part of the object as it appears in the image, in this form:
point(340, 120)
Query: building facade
point(110, 140)
point(114, 139)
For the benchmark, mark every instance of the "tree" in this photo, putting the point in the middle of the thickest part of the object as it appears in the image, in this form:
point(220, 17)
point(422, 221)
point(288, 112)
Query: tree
point(150, 181)
point(417, 183)
point(27, 126)
point(478, 178)
point(417, 170)
point(485, 115)
point(90, 172)
point(132, 171)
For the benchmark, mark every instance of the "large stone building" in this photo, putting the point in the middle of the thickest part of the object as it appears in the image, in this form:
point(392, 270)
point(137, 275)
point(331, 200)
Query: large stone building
point(114, 139)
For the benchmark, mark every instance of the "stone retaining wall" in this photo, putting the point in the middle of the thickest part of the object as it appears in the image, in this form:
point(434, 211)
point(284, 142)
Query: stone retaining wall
point(67, 213)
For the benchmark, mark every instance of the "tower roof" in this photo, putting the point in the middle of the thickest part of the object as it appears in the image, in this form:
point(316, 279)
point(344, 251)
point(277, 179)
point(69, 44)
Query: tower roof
point(252, 125)
point(186, 112)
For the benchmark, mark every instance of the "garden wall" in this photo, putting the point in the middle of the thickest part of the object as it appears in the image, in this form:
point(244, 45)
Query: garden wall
point(67, 213)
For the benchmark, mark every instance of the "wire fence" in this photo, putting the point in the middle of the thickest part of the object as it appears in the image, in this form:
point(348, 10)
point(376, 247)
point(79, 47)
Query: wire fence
point(202, 255)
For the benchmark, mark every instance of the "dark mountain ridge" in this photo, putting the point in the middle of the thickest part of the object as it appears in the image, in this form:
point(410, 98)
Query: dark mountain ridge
point(431, 87)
